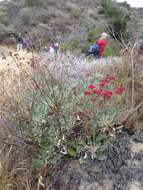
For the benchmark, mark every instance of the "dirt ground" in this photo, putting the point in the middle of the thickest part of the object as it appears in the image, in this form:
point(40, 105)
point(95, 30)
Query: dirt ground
point(123, 170)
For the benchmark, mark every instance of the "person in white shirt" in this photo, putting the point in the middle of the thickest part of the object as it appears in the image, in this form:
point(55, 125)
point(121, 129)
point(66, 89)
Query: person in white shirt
point(51, 49)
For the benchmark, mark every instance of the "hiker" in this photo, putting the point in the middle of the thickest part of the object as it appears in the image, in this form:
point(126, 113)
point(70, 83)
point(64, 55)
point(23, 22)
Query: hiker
point(44, 50)
point(93, 50)
point(56, 48)
point(27, 43)
point(19, 42)
point(51, 48)
point(101, 42)
point(97, 49)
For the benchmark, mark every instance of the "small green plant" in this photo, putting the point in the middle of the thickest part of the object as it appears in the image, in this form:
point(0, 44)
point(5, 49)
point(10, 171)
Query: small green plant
point(103, 113)
point(76, 13)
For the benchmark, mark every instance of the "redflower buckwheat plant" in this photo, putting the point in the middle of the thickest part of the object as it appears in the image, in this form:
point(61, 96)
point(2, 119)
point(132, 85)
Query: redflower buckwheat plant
point(104, 88)
point(102, 105)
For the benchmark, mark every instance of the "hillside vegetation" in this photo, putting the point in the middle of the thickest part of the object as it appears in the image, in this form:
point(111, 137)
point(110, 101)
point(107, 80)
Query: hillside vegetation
point(47, 19)
point(77, 23)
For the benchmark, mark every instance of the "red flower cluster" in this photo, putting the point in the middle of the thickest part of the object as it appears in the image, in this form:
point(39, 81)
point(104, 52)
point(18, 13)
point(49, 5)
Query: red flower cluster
point(119, 90)
point(100, 91)
point(104, 83)
point(97, 92)
point(107, 94)
point(87, 92)
point(113, 77)
point(90, 86)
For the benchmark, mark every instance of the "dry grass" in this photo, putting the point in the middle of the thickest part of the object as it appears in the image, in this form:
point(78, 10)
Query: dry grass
point(18, 178)
point(15, 160)
point(5, 179)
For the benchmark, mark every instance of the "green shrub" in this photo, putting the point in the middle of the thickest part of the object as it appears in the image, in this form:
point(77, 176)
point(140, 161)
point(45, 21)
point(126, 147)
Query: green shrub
point(4, 20)
point(73, 44)
point(108, 51)
point(51, 116)
point(35, 3)
point(65, 46)
point(93, 35)
point(118, 16)
point(76, 13)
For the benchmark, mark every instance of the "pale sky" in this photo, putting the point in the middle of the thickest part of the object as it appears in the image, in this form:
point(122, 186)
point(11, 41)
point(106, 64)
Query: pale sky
point(134, 3)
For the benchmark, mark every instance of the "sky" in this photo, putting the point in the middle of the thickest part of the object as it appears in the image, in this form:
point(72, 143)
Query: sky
point(134, 3)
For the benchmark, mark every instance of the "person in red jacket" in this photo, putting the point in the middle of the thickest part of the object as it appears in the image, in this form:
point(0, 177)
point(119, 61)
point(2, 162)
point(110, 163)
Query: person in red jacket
point(101, 42)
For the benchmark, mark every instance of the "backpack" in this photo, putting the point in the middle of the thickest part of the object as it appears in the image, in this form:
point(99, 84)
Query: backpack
point(20, 40)
point(94, 49)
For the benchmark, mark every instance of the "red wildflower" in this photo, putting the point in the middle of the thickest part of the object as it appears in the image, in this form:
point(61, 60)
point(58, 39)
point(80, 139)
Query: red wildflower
point(100, 91)
point(113, 77)
point(90, 86)
point(97, 92)
point(103, 83)
point(119, 90)
point(106, 81)
point(107, 94)
point(87, 92)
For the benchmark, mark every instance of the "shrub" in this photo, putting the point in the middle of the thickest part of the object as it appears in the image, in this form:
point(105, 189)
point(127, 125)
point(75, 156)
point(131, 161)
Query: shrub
point(102, 112)
point(93, 35)
point(65, 46)
point(76, 13)
point(35, 3)
point(109, 51)
point(25, 16)
point(64, 110)
point(4, 20)
point(118, 16)
point(6, 32)
point(47, 112)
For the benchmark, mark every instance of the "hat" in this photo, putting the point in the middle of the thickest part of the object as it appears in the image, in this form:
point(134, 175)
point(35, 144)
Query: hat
point(104, 35)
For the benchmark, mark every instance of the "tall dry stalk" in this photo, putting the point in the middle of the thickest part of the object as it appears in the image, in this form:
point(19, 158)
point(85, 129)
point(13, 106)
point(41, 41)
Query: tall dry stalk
point(132, 57)
point(133, 79)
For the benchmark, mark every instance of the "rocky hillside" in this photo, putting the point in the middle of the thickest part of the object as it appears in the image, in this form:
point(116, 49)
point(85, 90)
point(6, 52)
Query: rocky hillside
point(47, 19)
point(136, 23)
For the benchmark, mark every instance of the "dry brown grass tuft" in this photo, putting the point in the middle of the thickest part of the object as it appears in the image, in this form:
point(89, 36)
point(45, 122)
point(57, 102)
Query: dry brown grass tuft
point(15, 160)
point(5, 179)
